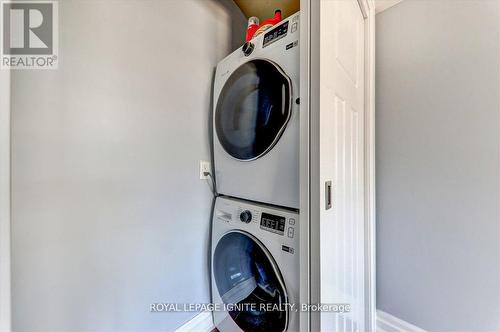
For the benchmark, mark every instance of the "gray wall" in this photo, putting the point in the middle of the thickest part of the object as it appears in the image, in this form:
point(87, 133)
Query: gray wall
point(4, 200)
point(108, 212)
point(438, 164)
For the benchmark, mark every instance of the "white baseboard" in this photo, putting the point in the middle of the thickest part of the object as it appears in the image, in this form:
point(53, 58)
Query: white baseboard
point(389, 323)
point(202, 322)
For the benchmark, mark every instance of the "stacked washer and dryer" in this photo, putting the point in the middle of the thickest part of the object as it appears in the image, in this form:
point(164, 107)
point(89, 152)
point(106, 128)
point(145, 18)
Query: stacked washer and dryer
point(255, 231)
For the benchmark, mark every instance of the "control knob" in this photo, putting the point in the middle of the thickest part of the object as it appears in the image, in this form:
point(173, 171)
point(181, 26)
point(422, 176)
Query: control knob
point(248, 48)
point(246, 216)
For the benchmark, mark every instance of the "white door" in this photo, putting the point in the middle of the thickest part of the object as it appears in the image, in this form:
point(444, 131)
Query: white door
point(342, 163)
point(337, 198)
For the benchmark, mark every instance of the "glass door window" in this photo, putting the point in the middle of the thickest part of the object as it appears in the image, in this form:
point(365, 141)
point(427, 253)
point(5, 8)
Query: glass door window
point(246, 274)
point(253, 109)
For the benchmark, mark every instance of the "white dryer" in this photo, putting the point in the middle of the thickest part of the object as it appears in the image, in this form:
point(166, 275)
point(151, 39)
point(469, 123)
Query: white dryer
point(255, 267)
point(256, 118)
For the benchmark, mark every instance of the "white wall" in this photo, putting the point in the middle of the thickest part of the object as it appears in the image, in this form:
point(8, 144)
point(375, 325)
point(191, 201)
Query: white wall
point(109, 214)
point(438, 164)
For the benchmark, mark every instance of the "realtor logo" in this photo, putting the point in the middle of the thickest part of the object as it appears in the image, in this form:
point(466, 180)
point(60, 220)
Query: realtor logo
point(29, 36)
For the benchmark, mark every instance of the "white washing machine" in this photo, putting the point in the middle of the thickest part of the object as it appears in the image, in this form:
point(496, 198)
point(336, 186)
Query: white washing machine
point(256, 118)
point(255, 267)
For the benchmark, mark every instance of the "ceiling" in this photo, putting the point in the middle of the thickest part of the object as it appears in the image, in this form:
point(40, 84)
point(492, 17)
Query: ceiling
point(264, 9)
point(381, 5)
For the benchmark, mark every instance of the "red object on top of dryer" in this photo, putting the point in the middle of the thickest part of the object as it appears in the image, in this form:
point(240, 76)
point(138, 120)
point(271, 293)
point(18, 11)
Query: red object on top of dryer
point(253, 25)
point(254, 29)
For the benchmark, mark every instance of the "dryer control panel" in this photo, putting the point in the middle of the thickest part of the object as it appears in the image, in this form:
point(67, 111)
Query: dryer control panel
point(275, 34)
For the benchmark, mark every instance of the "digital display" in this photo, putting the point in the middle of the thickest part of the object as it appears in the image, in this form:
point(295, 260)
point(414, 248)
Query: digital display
point(272, 223)
point(275, 34)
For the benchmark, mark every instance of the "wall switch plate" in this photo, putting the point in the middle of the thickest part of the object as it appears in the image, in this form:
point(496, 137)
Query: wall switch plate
point(204, 168)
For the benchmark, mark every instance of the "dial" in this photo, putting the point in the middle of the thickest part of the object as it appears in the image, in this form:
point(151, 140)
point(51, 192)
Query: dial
point(248, 48)
point(246, 216)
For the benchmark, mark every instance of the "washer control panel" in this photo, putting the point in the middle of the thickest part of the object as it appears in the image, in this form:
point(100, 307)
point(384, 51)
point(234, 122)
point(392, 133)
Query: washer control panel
point(273, 223)
point(274, 220)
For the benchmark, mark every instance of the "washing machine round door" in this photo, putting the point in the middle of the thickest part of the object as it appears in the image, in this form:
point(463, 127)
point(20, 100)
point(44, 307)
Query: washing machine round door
point(253, 109)
point(248, 279)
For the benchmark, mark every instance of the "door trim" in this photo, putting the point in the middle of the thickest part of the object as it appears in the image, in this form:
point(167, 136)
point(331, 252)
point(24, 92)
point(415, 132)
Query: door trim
point(370, 199)
point(309, 95)
point(309, 167)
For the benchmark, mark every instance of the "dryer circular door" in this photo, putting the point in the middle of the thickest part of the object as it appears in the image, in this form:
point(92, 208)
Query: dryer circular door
point(246, 275)
point(253, 109)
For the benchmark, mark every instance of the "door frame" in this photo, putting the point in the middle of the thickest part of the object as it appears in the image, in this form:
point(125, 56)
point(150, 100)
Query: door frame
point(309, 162)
